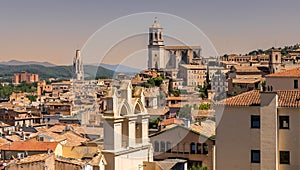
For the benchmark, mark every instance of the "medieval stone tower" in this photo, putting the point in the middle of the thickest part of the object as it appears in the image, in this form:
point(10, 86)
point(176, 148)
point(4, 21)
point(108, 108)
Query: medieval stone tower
point(274, 60)
point(78, 66)
point(156, 46)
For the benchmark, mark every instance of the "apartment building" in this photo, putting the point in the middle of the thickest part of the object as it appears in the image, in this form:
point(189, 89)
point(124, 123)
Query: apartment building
point(192, 74)
point(259, 130)
point(24, 76)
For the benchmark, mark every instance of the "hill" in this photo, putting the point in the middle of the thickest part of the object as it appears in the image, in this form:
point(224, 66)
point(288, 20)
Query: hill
point(17, 63)
point(62, 72)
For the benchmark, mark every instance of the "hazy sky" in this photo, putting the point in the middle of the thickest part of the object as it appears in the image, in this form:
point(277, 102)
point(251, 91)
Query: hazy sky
point(52, 30)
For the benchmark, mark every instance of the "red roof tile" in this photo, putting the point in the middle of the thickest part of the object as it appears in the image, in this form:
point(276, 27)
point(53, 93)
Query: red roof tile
point(30, 146)
point(288, 73)
point(286, 98)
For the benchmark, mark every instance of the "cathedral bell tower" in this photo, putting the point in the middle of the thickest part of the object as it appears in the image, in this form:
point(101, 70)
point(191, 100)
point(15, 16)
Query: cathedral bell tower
point(78, 66)
point(156, 47)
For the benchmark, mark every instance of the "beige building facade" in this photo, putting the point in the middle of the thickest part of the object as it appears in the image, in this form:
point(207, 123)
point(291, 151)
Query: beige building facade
point(284, 80)
point(258, 131)
point(192, 75)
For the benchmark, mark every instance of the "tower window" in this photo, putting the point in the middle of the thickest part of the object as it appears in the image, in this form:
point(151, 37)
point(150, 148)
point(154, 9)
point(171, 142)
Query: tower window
point(276, 57)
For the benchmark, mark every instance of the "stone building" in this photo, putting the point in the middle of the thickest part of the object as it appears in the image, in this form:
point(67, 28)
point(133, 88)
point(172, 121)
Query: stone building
point(168, 57)
point(126, 142)
point(192, 74)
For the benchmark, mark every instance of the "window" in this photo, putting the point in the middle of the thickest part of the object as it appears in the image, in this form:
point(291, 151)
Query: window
point(169, 145)
point(162, 146)
point(199, 148)
point(193, 148)
point(156, 146)
point(295, 84)
point(284, 122)
point(255, 121)
point(255, 156)
point(284, 157)
point(205, 148)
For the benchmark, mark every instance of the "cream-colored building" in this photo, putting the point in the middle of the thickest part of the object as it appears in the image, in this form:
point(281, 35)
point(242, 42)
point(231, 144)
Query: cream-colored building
point(284, 80)
point(259, 130)
point(126, 142)
point(192, 75)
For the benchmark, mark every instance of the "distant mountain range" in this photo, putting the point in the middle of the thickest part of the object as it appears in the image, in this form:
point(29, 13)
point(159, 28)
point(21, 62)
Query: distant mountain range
point(115, 68)
point(48, 70)
point(17, 63)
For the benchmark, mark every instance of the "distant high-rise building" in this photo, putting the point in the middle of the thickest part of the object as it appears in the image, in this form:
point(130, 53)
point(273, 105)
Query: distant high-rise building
point(24, 77)
point(78, 66)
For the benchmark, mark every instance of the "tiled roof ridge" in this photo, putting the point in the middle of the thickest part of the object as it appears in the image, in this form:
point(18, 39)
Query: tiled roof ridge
point(286, 98)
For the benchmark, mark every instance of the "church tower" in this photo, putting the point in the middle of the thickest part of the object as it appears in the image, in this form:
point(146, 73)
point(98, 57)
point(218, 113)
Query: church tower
point(156, 47)
point(274, 60)
point(78, 66)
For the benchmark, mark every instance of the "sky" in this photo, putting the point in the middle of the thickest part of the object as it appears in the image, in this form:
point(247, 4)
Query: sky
point(51, 31)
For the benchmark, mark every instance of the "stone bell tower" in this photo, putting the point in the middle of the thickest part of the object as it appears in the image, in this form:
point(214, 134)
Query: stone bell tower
point(156, 46)
point(78, 66)
point(274, 60)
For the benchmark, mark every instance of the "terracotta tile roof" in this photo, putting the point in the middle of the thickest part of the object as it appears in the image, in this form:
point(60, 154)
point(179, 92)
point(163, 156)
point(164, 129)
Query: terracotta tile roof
point(78, 162)
point(286, 98)
point(33, 158)
point(288, 73)
point(206, 128)
point(30, 146)
point(158, 112)
point(170, 121)
point(245, 99)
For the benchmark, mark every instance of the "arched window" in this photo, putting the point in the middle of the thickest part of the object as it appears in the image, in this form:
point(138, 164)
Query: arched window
point(193, 148)
point(156, 146)
point(205, 148)
point(169, 146)
point(162, 146)
point(276, 57)
point(199, 148)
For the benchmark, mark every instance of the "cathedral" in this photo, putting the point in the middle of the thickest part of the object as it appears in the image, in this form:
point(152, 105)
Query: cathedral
point(163, 57)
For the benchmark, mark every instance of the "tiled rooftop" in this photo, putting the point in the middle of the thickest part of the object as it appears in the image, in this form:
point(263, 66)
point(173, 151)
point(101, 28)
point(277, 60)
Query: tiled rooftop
point(286, 98)
point(30, 146)
point(288, 73)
